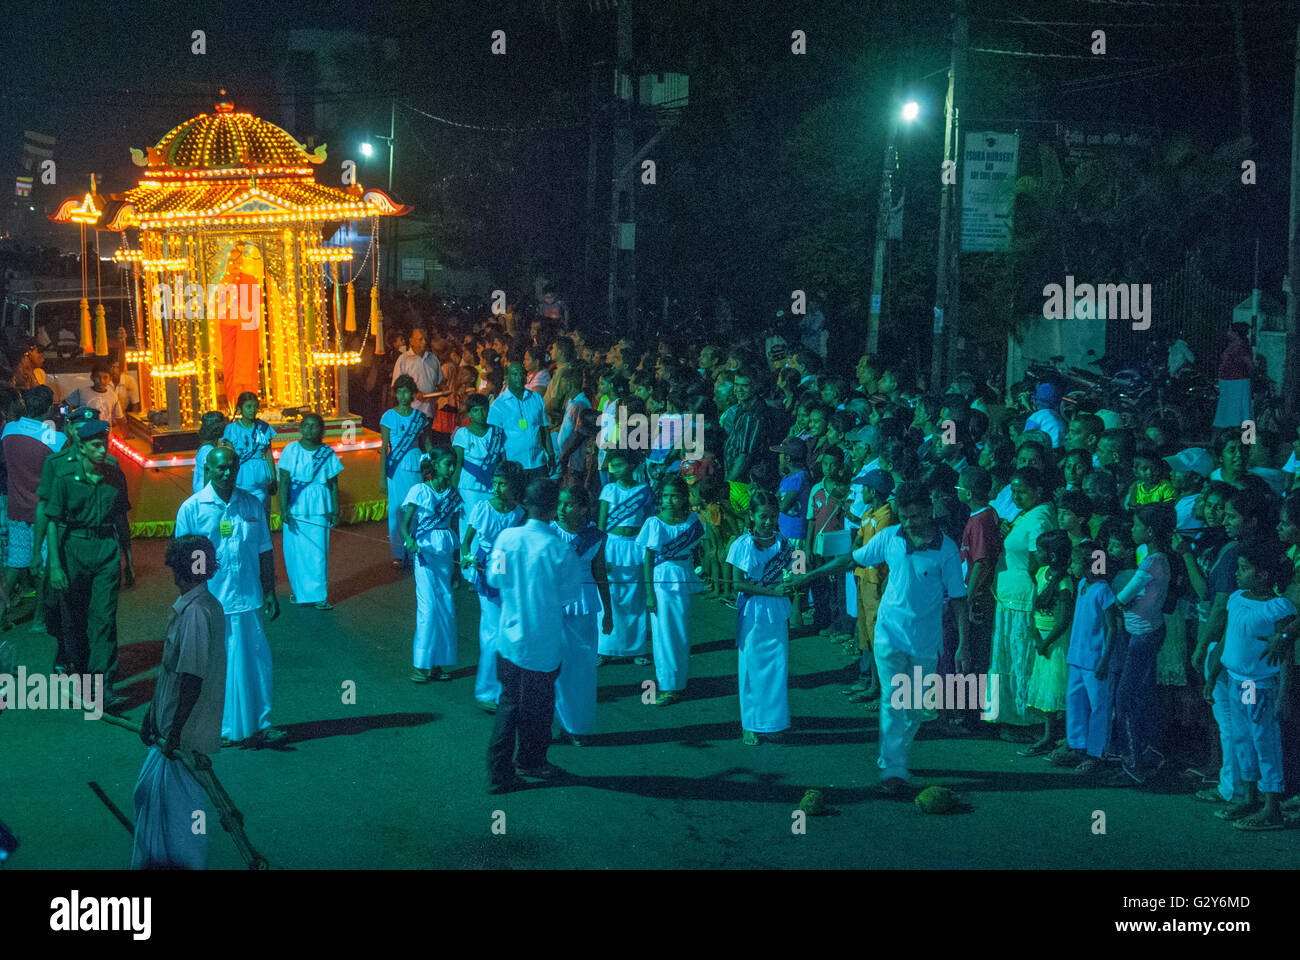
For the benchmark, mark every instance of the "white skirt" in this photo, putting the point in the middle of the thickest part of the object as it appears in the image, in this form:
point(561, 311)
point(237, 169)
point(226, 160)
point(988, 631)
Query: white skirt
point(763, 661)
point(248, 676)
point(435, 614)
point(166, 796)
point(1234, 403)
point(487, 688)
point(398, 487)
point(623, 562)
point(670, 629)
point(575, 688)
point(307, 556)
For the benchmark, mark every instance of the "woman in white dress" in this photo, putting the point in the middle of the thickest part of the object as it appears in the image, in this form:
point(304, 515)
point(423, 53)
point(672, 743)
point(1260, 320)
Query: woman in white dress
point(403, 429)
point(252, 437)
point(761, 559)
point(624, 506)
point(669, 540)
point(575, 688)
point(479, 446)
point(484, 522)
point(309, 509)
point(429, 532)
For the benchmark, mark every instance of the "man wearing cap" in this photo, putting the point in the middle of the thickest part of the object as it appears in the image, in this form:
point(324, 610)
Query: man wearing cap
point(27, 442)
point(89, 537)
point(1187, 472)
point(245, 584)
point(49, 602)
point(1045, 417)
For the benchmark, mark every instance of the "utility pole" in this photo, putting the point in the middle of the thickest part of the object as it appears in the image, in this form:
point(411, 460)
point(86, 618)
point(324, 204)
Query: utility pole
point(947, 292)
point(622, 202)
point(883, 213)
point(1293, 248)
point(589, 285)
point(392, 132)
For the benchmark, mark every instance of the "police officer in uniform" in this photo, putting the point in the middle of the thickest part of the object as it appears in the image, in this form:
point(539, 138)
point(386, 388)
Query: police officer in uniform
point(49, 611)
point(89, 536)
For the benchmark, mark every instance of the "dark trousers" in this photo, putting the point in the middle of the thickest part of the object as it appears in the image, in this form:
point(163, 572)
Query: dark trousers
point(1137, 716)
point(979, 640)
point(93, 567)
point(523, 716)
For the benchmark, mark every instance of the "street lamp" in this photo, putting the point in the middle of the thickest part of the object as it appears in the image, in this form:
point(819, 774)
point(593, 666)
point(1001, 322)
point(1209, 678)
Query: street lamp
point(911, 110)
point(367, 150)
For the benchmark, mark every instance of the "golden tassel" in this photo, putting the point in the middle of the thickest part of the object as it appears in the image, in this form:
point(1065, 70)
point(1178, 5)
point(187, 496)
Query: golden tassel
point(376, 321)
point(87, 338)
point(101, 332)
point(350, 314)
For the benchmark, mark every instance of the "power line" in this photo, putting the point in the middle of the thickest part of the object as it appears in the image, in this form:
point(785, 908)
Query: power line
point(487, 129)
point(1065, 56)
point(1094, 23)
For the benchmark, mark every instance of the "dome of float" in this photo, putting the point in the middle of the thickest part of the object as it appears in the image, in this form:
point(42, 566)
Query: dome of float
point(225, 140)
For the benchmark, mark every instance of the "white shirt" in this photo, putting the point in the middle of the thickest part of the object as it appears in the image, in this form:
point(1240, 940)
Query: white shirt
point(911, 608)
point(1048, 421)
point(538, 575)
point(1250, 624)
point(106, 402)
point(37, 430)
point(128, 393)
point(1004, 505)
point(523, 421)
point(238, 580)
point(309, 491)
point(425, 370)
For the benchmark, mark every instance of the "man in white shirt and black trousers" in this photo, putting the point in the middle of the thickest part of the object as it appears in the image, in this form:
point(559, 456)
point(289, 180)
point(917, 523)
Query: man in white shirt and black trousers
point(923, 565)
point(537, 575)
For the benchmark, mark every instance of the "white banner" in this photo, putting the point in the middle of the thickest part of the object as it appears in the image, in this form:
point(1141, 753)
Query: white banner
point(989, 174)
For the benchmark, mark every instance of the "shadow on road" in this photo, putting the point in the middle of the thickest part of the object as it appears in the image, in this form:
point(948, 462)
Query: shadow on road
point(347, 726)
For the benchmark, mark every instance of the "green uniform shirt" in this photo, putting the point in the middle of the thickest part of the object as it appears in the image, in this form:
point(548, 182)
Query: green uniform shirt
point(66, 460)
point(78, 503)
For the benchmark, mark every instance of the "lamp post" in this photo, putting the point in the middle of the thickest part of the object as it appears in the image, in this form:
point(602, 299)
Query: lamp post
point(368, 151)
point(906, 114)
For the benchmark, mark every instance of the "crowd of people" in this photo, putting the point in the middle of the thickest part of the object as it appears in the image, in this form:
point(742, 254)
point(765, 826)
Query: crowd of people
point(1125, 600)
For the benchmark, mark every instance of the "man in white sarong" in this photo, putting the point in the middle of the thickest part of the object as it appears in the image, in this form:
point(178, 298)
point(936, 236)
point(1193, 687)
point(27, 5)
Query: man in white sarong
point(184, 719)
point(245, 584)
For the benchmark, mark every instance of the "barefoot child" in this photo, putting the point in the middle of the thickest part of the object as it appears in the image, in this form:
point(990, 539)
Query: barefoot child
point(1253, 615)
point(762, 560)
point(669, 540)
point(575, 688)
point(309, 507)
point(1090, 686)
point(429, 533)
point(403, 430)
point(486, 519)
point(1053, 613)
point(624, 506)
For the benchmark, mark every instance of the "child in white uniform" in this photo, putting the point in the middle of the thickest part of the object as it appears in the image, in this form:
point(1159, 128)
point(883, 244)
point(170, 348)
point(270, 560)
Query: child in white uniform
point(479, 447)
point(575, 688)
point(403, 430)
point(669, 540)
point(309, 506)
point(486, 519)
point(1253, 615)
point(624, 506)
point(431, 510)
point(761, 559)
point(251, 437)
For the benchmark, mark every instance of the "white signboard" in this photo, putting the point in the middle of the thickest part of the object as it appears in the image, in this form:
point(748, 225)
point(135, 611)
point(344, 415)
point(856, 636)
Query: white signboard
point(989, 174)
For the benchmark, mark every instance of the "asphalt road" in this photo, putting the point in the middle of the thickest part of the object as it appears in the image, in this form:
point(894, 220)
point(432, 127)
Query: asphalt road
point(398, 779)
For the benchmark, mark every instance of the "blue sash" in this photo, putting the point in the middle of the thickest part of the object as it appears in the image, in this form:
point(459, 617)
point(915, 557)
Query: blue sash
point(484, 472)
point(583, 540)
point(770, 576)
point(442, 512)
point(627, 511)
point(246, 444)
point(319, 458)
point(481, 586)
point(411, 430)
point(680, 546)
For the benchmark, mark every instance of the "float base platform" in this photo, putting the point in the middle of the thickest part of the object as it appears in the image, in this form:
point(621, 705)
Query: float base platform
point(159, 483)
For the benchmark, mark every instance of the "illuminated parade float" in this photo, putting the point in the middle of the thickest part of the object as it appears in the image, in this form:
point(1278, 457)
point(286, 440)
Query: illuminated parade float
point(231, 288)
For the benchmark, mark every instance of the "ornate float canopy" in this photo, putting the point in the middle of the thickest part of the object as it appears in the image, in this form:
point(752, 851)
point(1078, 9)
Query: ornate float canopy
point(231, 285)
